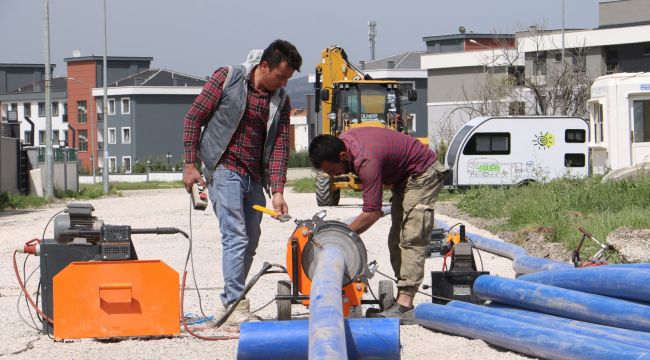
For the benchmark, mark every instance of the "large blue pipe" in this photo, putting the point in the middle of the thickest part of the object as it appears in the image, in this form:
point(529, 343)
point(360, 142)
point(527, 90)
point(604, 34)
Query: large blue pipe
point(326, 327)
point(365, 338)
point(522, 263)
point(629, 337)
point(523, 337)
point(565, 303)
point(618, 282)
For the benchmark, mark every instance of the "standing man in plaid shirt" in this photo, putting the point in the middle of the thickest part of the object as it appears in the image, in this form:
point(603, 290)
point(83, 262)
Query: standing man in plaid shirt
point(385, 157)
point(244, 149)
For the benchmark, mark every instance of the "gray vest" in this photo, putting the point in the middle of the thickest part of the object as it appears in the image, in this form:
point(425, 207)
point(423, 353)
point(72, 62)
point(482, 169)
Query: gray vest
point(219, 130)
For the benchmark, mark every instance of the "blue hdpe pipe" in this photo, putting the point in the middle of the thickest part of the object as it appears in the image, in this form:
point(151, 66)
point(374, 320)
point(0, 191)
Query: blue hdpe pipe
point(566, 303)
point(618, 282)
point(326, 326)
point(365, 338)
point(629, 337)
point(523, 337)
point(522, 263)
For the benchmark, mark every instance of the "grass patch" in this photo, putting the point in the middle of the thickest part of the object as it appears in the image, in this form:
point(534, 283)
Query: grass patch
point(86, 192)
point(563, 205)
point(304, 185)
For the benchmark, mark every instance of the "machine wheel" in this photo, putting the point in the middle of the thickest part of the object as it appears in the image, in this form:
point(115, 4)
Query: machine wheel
point(386, 296)
point(324, 195)
point(284, 306)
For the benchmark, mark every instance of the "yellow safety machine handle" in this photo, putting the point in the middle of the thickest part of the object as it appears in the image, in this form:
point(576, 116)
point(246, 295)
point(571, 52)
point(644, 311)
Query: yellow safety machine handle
point(274, 214)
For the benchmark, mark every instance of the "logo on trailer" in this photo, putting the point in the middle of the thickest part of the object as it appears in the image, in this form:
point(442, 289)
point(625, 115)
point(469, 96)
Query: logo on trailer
point(544, 141)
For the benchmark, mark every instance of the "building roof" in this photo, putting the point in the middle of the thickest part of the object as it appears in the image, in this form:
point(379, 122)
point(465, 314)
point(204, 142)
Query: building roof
point(406, 60)
point(159, 77)
point(16, 65)
point(58, 84)
point(466, 36)
point(108, 58)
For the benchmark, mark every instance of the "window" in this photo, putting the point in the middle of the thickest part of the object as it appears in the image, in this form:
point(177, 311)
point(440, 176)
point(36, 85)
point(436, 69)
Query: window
point(83, 140)
point(41, 109)
point(41, 137)
point(558, 57)
point(111, 135)
point(574, 160)
point(111, 106)
point(539, 64)
point(488, 143)
point(65, 137)
point(55, 108)
point(27, 139)
point(81, 112)
point(65, 112)
point(27, 109)
point(575, 136)
point(55, 137)
point(112, 164)
point(611, 60)
point(516, 108)
point(599, 122)
point(126, 164)
point(641, 129)
point(126, 106)
point(126, 135)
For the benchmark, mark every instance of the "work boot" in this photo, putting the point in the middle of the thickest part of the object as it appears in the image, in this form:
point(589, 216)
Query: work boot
point(405, 314)
point(242, 314)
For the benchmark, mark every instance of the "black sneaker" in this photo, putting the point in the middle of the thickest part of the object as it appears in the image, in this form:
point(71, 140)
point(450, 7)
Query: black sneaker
point(405, 314)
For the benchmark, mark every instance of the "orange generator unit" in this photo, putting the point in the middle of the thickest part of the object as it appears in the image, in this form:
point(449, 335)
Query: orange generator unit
point(94, 286)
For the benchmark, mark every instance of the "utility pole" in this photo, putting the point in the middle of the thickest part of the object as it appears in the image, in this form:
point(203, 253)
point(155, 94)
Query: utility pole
point(562, 32)
point(105, 80)
point(49, 153)
point(372, 35)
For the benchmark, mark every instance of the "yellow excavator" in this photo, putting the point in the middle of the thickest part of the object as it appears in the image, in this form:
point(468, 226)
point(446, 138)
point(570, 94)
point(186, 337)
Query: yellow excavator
point(346, 98)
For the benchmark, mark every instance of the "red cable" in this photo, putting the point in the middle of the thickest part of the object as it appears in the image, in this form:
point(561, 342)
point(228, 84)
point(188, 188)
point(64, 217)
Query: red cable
point(29, 298)
point(187, 328)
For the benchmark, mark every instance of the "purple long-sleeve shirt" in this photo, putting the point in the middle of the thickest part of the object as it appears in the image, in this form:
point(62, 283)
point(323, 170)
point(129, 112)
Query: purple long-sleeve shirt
point(384, 157)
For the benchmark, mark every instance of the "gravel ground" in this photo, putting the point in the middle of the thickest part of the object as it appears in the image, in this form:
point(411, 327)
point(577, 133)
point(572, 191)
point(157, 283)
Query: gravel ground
point(170, 207)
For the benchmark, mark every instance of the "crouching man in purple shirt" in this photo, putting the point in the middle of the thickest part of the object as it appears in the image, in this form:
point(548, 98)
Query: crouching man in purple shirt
point(385, 157)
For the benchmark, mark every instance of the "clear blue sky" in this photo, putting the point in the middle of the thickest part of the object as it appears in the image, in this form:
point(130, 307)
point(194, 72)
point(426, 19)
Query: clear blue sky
point(197, 36)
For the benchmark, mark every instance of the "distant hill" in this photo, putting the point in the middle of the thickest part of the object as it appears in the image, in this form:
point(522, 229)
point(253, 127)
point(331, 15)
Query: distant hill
point(298, 89)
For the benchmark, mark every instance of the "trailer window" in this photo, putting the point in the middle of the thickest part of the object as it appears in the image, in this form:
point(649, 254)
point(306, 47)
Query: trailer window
point(488, 143)
point(575, 136)
point(574, 160)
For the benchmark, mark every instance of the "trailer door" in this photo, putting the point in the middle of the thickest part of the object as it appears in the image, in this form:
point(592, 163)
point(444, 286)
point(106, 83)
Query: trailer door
point(640, 131)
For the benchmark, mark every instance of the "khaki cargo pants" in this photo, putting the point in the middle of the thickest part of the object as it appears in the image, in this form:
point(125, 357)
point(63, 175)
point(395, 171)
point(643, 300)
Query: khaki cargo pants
point(412, 223)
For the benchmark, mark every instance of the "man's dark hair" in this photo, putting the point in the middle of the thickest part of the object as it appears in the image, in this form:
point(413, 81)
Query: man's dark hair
point(325, 148)
point(279, 51)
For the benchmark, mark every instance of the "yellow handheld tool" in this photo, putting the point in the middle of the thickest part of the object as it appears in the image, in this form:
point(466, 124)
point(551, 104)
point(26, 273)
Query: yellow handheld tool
point(274, 214)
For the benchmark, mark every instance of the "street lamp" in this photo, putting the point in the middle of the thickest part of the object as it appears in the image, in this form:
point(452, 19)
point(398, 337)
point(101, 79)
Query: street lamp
point(93, 151)
point(493, 62)
point(169, 158)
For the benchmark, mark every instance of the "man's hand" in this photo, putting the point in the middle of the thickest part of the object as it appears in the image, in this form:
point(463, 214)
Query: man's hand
point(279, 205)
point(190, 176)
point(365, 221)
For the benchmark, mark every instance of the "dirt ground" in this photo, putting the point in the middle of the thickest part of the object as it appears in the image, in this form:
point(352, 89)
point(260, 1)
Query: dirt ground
point(171, 207)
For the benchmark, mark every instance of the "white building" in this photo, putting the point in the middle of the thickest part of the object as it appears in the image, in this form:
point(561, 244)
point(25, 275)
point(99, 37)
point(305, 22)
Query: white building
point(27, 103)
point(619, 112)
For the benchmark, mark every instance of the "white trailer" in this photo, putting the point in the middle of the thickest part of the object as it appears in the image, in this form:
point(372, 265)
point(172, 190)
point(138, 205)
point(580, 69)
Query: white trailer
point(619, 110)
point(517, 150)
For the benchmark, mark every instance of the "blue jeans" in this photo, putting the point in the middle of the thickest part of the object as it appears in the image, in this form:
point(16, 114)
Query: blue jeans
point(233, 197)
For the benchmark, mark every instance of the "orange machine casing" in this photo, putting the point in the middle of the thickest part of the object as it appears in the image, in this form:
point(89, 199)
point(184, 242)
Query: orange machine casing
point(352, 292)
point(107, 299)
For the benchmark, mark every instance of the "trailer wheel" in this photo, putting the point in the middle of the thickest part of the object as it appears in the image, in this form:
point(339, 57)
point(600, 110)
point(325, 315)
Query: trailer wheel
point(284, 306)
point(386, 296)
point(526, 182)
point(324, 195)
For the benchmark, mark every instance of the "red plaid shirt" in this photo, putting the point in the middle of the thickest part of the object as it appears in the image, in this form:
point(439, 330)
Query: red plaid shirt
point(246, 148)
